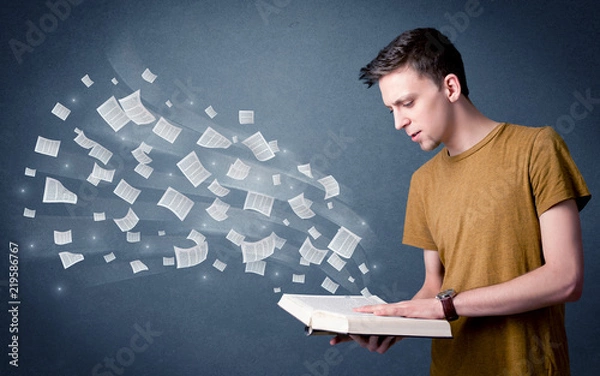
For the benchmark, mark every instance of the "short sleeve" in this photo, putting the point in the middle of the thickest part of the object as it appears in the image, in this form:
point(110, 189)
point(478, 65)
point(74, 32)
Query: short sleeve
point(553, 174)
point(416, 230)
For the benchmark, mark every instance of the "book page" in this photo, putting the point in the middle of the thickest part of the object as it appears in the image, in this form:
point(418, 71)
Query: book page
point(238, 170)
point(219, 265)
point(135, 110)
point(332, 188)
point(126, 192)
point(213, 140)
point(47, 146)
point(246, 117)
point(148, 76)
point(217, 189)
point(218, 210)
point(235, 237)
point(128, 222)
point(259, 147)
point(259, 202)
point(63, 237)
point(177, 203)
point(259, 250)
point(301, 206)
point(55, 192)
point(256, 267)
point(166, 130)
point(188, 257)
point(311, 253)
point(69, 259)
point(100, 153)
point(137, 266)
point(61, 111)
point(344, 242)
point(193, 170)
point(113, 114)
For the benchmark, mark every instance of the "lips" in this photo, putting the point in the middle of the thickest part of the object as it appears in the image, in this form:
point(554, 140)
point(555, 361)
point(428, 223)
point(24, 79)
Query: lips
point(414, 136)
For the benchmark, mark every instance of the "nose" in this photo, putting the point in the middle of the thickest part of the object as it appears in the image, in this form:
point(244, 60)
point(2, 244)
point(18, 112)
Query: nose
point(400, 121)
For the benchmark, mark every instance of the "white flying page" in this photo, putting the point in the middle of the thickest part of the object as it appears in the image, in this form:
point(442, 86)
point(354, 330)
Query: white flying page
point(69, 259)
point(148, 76)
point(213, 140)
point(246, 117)
point(344, 242)
point(113, 114)
point(301, 206)
point(193, 169)
point(312, 254)
point(332, 188)
point(217, 189)
point(218, 210)
point(100, 153)
point(47, 146)
point(127, 192)
point(188, 257)
point(137, 266)
point(128, 222)
point(259, 147)
point(55, 192)
point(63, 237)
point(238, 170)
point(61, 111)
point(259, 250)
point(329, 285)
point(176, 202)
point(166, 130)
point(259, 202)
point(256, 267)
point(135, 110)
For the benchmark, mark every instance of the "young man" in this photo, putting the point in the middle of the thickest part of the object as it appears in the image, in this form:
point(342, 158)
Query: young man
point(496, 213)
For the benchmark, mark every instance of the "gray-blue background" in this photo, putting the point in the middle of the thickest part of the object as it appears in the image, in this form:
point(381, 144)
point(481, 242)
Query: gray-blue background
point(295, 63)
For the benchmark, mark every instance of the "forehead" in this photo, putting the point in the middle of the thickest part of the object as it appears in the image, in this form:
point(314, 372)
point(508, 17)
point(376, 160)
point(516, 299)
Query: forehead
point(404, 82)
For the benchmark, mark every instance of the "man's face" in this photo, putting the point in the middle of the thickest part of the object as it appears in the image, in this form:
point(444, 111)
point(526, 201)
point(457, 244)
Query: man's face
point(420, 108)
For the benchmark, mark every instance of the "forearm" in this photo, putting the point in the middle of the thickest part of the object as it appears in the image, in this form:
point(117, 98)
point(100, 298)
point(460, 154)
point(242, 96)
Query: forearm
point(539, 288)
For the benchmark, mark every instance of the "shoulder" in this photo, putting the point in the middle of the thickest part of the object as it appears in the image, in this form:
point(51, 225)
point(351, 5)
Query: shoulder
point(430, 166)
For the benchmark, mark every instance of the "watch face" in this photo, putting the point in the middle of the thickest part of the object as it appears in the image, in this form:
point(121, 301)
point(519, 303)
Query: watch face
point(446, 294)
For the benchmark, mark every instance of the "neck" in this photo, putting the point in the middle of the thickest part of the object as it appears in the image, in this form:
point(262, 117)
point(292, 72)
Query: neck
point(469, 127)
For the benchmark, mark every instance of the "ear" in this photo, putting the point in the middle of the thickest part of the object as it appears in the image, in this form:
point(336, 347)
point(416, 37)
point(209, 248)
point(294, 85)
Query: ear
point(452, 87)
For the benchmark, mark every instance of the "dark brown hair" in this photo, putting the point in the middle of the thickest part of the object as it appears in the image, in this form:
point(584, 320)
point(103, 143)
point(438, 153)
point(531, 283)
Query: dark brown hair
point(426, 50)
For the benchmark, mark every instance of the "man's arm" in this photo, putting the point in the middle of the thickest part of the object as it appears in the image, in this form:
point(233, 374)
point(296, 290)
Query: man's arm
point(559, 280)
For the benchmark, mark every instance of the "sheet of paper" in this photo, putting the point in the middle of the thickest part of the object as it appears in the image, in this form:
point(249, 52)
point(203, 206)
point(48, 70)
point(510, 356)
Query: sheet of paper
point(192, 169)
point(344, 242)
point(113, 114)
point(60, 111)
point(126, 192)
point(166, 130)
point(238, 170)
point(176, 202)
point(69, 259)
point(259, 203)
point(212, 139)
point(312, 254)
point(218, 210)
point(138, 266)
point(135, 110)
point(329, 285)
point(259, 147)
point(47, 146)
point(332, 188)
point(128, 222)
point(188, 257)
point(63, 237)
point(55, 192)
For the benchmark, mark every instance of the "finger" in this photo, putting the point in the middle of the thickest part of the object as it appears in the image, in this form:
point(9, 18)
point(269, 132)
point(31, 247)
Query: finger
point(339, 339)
point(369, 308)
point(363, 341)
point(386, 344)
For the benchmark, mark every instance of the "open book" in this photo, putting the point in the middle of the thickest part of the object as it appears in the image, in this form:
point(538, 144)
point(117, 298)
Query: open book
point(334, 314)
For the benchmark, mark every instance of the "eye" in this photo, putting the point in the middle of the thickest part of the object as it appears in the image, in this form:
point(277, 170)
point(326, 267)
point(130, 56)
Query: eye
point(408, 104)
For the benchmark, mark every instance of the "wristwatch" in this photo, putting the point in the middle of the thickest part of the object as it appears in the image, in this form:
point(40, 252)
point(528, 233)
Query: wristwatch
point(445, 297)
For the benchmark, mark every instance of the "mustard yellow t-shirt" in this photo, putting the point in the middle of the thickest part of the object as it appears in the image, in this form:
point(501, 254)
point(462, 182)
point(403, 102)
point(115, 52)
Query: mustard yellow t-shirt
point(480, 211)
